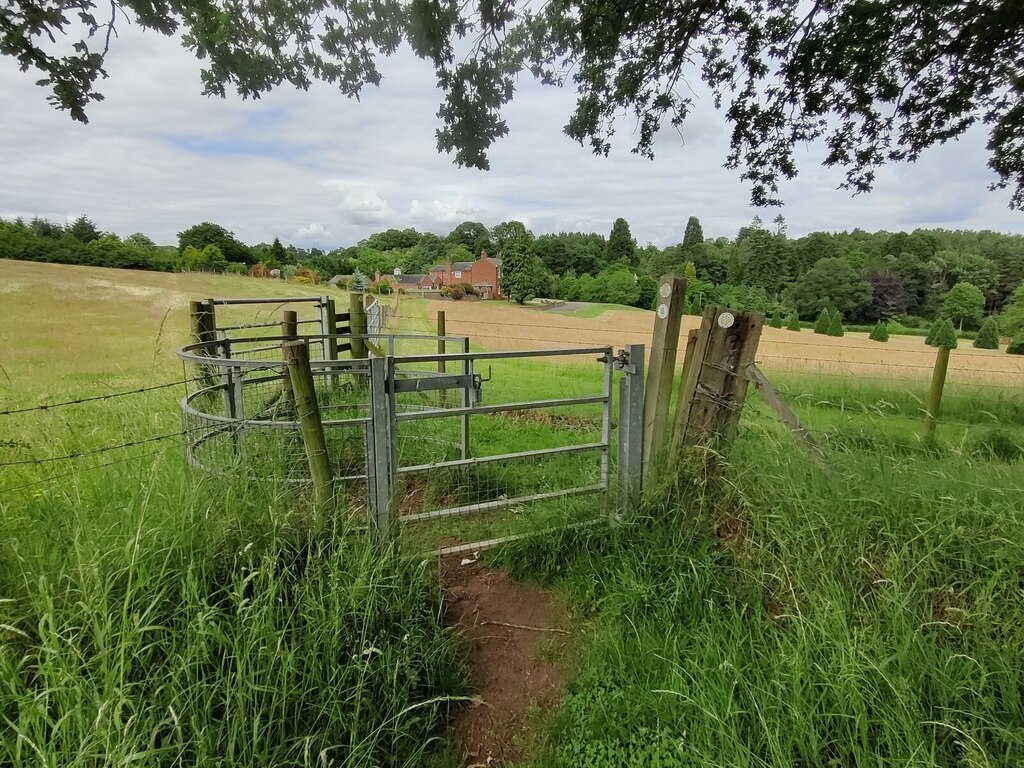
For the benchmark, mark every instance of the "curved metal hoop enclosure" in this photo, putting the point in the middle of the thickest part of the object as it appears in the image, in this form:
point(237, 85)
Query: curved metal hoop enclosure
point(239, 416)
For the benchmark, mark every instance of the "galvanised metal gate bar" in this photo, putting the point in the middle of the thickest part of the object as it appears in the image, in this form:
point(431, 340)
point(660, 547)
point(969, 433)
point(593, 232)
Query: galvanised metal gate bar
point(409, 443)
point(486, 477)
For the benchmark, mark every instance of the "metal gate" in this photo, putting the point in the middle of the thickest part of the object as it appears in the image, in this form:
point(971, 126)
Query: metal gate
point(414, 438)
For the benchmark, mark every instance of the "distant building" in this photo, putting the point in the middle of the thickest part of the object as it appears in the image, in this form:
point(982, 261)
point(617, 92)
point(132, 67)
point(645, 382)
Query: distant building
point(484, 275)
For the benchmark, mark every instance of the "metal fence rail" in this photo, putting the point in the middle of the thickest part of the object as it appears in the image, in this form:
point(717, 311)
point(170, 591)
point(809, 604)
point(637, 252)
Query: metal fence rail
point(413, 436)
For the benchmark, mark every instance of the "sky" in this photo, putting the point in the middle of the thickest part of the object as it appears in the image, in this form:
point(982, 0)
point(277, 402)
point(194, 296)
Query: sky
point(320, 170)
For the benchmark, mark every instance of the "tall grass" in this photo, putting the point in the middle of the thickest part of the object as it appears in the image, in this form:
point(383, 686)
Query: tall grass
point(149, 620)
point(776, 617)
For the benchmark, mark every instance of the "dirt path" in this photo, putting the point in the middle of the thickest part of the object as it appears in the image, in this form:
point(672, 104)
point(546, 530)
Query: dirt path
point(515, 635)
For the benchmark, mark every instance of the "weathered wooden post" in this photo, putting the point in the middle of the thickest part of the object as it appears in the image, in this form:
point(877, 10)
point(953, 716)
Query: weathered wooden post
point(712, 393)
point(329, 327)
point(441, 349)
point(944, 337)
point(357, 322)
point(202, 322)
point(289, 332)
point(307, 413)
point(661, 368)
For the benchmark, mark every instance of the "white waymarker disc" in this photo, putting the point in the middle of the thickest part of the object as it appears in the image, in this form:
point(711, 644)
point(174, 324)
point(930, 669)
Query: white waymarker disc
point(726, 320)
point(663, 311)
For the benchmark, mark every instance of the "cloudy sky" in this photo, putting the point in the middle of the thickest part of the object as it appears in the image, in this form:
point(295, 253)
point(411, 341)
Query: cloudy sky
point(317, 169)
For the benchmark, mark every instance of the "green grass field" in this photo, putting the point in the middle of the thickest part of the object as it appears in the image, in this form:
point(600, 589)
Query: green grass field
point(769, 615)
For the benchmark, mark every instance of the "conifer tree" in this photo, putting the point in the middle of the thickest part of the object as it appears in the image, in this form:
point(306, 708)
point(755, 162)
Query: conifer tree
point(988, 336)
point(835, 326)
point(793, 322)
point(943, 334)
point(776, 321)
point(821, 325)
point(880, 332)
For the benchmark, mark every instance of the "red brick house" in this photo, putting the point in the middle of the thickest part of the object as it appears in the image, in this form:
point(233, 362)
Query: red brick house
point(484, 275)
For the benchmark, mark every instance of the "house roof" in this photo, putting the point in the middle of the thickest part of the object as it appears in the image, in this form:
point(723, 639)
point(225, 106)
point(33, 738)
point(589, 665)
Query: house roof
point(495, 259)
point(459, 265)
point(408, 279)
point(482, 285)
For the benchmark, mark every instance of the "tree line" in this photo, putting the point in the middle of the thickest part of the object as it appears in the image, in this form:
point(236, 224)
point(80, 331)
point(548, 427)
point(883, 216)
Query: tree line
point(905, 279)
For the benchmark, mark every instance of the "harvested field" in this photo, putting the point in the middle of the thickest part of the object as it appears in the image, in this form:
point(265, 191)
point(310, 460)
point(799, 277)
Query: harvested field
point(501, 326)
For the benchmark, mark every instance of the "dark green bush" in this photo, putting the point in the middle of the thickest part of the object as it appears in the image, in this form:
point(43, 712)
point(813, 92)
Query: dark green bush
point(880, 332)
point(988, 336)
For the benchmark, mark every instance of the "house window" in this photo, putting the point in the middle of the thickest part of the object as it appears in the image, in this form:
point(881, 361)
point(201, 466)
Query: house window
point(458, 273)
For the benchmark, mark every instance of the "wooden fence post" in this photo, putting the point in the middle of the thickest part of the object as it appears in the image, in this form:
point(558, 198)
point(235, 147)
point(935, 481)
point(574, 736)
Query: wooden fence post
point(357, 322)
point(712, 393)
point(661, 368)
point(307, 412)
point(935, 391)
point(201, 317)
point(330, 328)
point(289, 332)
point(441, 349)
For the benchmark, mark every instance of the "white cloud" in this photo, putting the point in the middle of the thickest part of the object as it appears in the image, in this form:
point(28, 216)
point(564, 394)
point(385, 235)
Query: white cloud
point(319, 168)
point(313, 231)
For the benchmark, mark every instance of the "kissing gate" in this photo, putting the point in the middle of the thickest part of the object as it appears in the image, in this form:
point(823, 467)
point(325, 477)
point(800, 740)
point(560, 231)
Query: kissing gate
point(421, 428)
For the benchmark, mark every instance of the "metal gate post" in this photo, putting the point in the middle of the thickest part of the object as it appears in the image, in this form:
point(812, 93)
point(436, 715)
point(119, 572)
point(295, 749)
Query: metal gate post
point(631, 426)
point(378, 449)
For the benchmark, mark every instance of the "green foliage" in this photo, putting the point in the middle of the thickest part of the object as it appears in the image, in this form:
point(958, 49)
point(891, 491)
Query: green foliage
point(988, 336)
point(84, 230)
point(880, 332)
point(207, 259)
point(357, 284)
point(689, 271)
point(693, 236)
point(963, 302)
point(25, 243)
point(824, 321)
point(831, 283)
point(234, 268)
point(942, 334)
point(202, 235)
point(1016, 347)
point(508, 231)
point(648, 292)
point(776, 319)
point(1013, 315)
point(793, 321)
point(522, 274)
point(621, 245)
point(835, 326)
point(472, 234)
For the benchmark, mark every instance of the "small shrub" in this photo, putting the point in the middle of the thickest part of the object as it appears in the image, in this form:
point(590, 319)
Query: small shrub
point(988, 336)
point(835, 327)
point(454, 292)
point(824, 322)
point(305, 275)
point(880, 332)
point(793, 322)
point(235, 268)
point(468, 289)
point(776, 321)
point(1016, 347)
point(942, 334)
point(259, 270)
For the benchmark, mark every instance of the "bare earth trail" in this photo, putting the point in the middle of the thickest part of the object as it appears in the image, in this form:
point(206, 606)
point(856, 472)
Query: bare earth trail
point(514, 635)
point(503, 326)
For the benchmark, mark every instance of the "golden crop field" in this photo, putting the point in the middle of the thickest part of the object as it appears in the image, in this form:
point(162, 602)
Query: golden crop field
point(496, 325)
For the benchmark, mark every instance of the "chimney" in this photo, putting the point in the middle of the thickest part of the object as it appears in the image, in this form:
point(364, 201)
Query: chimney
point(397, 272)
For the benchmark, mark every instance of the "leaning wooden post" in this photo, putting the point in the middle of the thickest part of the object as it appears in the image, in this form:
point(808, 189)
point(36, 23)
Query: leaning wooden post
point(944, 337)
point(712, 393)
point(307, 413)
point(661, 368)
point(441, 349)
point(357, 322)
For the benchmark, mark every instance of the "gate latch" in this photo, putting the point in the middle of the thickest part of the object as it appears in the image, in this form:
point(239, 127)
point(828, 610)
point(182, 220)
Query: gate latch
point(622, 362)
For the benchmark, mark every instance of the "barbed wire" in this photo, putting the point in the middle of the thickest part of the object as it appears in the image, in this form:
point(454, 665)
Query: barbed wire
point(94, 398)
point(94, 451)
point(78, 471)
